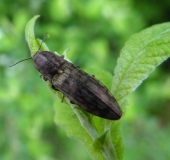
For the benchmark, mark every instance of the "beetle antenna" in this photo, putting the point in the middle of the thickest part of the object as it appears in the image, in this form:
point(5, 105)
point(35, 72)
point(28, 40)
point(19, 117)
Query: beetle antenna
point(21, 61)
point(46, 36)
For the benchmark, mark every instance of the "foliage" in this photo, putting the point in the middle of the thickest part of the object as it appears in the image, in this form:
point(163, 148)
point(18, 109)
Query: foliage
point(141, 54)
point(93, 32)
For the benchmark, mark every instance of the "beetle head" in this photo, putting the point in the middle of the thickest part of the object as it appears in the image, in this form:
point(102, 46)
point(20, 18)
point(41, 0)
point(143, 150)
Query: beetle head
point(47, 63)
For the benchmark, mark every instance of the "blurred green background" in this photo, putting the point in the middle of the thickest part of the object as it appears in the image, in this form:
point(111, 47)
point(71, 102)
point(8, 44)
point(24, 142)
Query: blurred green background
point(94, 32)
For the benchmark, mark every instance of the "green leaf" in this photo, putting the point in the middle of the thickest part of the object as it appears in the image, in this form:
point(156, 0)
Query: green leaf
point(91, 130)
point(30, 37)
point(142, 53)
point(66, 117)
point(33, 44)
point(103, 142)
point(78, 123)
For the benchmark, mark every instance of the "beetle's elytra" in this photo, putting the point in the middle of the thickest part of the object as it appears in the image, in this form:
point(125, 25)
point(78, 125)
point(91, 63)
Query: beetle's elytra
point(81, 88)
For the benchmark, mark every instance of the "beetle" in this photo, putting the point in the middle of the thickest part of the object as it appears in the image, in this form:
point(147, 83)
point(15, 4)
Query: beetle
point(79, 87)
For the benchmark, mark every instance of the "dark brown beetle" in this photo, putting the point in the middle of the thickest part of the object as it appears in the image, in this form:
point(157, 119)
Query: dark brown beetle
point(81, 88)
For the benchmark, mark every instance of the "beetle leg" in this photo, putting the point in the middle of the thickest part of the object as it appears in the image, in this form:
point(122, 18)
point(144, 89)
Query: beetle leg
point(53, 87)
point(72, 102)
point(45, 79)
point(62, 99)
